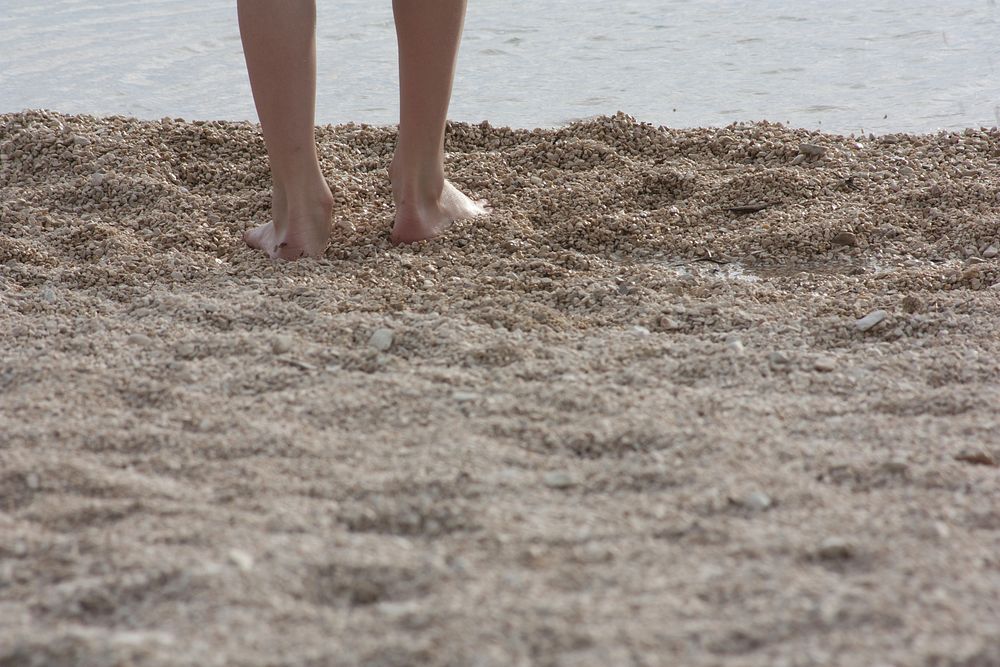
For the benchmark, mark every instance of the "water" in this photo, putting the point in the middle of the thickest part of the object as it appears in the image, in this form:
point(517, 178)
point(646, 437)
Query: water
point(848, 66)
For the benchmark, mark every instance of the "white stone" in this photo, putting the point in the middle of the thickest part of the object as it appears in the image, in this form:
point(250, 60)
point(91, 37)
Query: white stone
point(241, 559)
point(757, 501)
point(381, 339)
point(640, 331)
point(558, 480)
point(282, 344)
point(870, 320)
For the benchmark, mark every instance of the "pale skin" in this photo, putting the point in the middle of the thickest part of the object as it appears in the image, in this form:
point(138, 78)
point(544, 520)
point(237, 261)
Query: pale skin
point(280, 47)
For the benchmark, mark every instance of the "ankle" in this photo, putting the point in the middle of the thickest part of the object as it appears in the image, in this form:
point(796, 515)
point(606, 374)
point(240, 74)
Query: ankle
point(306, 196)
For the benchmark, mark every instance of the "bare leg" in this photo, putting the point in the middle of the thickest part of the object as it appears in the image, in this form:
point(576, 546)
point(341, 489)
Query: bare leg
point(428, 33)
point(279, 42)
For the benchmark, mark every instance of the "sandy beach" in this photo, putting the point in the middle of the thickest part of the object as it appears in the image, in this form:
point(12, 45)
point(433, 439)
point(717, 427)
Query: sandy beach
point(714, 396)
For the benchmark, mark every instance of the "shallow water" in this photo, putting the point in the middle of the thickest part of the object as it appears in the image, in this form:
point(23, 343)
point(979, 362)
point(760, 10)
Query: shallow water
point(876, 66)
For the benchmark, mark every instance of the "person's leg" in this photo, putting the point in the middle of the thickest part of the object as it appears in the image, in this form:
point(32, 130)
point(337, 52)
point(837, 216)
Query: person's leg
point(428, 33)
point(279, 42)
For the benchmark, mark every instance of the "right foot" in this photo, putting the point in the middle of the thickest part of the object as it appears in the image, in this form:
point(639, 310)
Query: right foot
point(302, 230)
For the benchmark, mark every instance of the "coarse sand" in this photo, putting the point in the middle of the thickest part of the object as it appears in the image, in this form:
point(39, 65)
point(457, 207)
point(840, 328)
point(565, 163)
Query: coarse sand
point(714, 396)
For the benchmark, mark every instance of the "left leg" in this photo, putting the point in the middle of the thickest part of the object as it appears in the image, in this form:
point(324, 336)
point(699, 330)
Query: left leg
point(428, 33)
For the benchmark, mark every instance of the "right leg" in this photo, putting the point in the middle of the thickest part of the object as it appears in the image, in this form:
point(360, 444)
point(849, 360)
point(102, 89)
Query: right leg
point(279, 42)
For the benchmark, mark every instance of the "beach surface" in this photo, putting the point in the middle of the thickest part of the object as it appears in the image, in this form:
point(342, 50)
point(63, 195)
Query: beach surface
point(716, 396)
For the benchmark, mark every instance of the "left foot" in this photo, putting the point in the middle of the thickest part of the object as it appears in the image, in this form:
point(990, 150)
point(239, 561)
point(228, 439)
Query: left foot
point(420, 218)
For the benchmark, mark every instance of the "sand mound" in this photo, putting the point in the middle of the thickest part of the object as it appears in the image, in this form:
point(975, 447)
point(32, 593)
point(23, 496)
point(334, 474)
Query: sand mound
point(630, 418)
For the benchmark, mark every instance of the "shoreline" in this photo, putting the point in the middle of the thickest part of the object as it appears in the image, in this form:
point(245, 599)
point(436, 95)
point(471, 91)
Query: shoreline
point(542, 128)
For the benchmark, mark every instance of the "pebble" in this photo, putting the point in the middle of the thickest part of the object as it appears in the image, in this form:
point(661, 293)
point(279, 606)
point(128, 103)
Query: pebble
point(381, 339)
point(735, 345)
point(96, 179)
point(139, 339)
point(778, 358)
point(463, 396)
point(991, 252)
point(757, 501)
point(282, 344)
point(81, 141)
point(912, 304)
point(812, 150)
point(825, 364)
point(185, 350)
point(640, 331)
point(835, 548)
point(32, 480)
point(870, 320)
point(846, 238)
point(558, 480)
point(241, 559)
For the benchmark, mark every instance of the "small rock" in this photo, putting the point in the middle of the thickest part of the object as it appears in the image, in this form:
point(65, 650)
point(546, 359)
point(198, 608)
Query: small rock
point(995, 287)
point(32, 480)
point(906, 171)
point(96, 179)
point(139, 339)
point(669, 324)
point(48, 295)
point(977, 457)
point(835, 548)
point(825, 364)
point(640, 331)
point(797, 160)
point(185, 350)
point(778, 358)
point(558, 480)
point(812, 150)
point(282, 344)
point(845, 238)
point(381, 339)
point(735, 345)
point(81, 141)
point(870, 320)
point(912, 304)
point(942, 530)
point(241, 559)
point(991, 252)
point(757, 501)
point(463, 396)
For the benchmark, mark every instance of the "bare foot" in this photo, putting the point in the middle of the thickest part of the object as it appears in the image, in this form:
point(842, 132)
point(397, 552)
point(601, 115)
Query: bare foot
point(301, 230)
point(420, 219)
